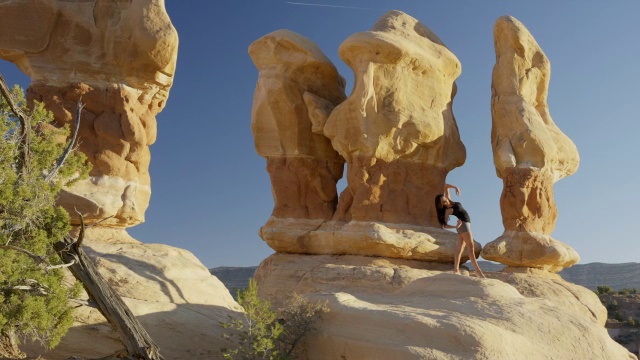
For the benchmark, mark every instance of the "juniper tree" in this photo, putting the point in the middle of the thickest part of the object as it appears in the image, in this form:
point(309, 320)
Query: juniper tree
point(33, 297)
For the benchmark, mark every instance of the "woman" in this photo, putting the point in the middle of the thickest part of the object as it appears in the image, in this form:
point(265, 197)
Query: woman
point(445, 207)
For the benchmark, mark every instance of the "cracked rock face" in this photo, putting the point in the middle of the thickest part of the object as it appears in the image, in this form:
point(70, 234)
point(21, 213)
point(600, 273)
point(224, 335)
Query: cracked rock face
point(118, 57)
point(530, 153)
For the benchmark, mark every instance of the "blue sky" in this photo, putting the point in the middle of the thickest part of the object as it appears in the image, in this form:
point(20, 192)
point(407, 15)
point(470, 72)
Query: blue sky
point(211, 192)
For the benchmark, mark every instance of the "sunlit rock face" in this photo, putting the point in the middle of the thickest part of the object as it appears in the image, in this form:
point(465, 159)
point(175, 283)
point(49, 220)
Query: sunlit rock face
point(530, 153)
point(303, 167)
point(175, 298)
point(396, 131)
point(401, 309)
point(119, 58)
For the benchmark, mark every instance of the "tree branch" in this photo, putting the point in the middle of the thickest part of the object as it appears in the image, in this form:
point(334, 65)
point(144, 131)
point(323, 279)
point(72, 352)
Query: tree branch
point(25, 128)
point(38, 259)
point(67, 151)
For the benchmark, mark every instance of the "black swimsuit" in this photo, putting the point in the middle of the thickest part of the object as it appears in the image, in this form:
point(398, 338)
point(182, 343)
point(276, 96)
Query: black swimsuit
point(460, 212)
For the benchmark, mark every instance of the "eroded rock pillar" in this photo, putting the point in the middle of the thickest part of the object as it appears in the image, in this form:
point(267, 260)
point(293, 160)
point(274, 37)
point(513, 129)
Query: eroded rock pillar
point(397, 130)
point(302, 165)
point(530, 153)
point(119, 58)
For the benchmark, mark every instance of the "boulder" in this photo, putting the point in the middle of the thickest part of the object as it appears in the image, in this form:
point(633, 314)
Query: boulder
point(402, 309)
point(175, 298)
point(530, 153)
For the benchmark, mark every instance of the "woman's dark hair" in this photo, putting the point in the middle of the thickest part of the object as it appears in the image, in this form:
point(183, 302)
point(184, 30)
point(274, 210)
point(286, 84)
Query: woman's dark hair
point(440, 210)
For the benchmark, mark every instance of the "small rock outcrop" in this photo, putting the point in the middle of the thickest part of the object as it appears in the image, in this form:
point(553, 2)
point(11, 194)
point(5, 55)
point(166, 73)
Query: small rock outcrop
point(119, 58)
point(396, 131)
point(530, 153)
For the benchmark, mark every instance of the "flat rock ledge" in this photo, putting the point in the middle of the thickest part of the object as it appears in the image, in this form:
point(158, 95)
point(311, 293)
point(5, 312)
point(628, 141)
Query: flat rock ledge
point(327, 237)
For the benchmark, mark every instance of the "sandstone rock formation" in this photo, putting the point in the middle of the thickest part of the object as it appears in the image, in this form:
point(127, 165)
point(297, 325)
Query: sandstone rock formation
point(173, 295)
point(400, 309)
point(396, 131)
point(119, 58)
point(530, 153)
point(303, 167)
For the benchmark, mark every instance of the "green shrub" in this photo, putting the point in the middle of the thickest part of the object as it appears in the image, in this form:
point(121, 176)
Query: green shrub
point(33, 298)
point(603, 289)
point(268, 334)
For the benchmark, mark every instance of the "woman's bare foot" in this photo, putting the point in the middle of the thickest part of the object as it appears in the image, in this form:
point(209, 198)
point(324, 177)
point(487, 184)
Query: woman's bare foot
point(480, 274)
point(457, 272)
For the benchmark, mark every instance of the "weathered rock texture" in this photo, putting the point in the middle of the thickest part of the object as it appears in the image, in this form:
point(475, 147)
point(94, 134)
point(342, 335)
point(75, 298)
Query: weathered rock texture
point(396, 131)
point(119, 57)
point(303, 167)
point(400, 309)
point(173, 295)
point(530, 153)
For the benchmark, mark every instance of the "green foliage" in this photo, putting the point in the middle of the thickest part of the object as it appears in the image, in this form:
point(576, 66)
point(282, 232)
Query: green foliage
point(255, 336)
point(618, 316)
point(628, 292)
point(33, 299)
point(603, 289)
point(268, 334)
point(632, 321)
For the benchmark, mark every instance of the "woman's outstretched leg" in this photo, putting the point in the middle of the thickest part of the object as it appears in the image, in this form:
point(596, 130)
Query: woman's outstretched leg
point(458, 255)
point(468, 239)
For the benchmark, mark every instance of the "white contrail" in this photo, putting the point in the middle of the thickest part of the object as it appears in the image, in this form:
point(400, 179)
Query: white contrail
point(332, 6)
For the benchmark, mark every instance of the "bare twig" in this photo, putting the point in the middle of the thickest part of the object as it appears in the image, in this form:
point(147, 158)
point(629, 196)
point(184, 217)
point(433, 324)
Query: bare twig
point(25, 128)
point(101, 221)
point(51, 267)
point(67, 151)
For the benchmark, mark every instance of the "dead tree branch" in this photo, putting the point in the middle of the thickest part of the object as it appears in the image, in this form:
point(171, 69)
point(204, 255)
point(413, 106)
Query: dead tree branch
point(25, 128)
point(135, 338)
point(72, 141)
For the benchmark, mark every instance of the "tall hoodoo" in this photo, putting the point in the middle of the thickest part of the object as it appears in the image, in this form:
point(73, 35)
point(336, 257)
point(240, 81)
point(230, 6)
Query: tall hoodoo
point(296, 84)
point(124, 81)
point(396, 130)
point(530, 153)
